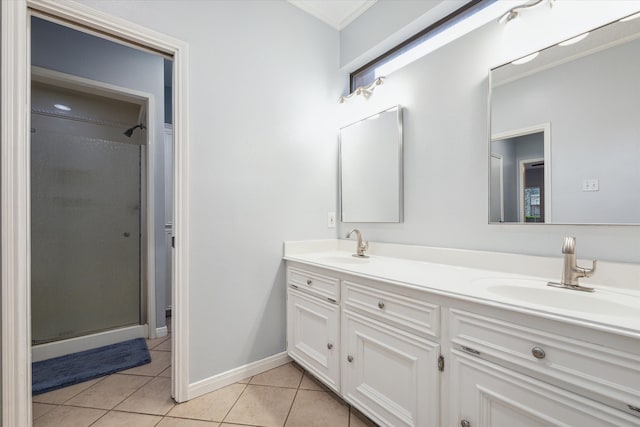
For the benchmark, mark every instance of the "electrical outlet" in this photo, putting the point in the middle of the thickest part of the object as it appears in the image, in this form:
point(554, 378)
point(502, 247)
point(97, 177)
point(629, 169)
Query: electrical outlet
point(331, 220)
point(590, 184)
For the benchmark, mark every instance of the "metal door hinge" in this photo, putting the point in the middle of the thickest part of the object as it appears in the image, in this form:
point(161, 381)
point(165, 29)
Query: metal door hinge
point(173, 241)
point(440, 363)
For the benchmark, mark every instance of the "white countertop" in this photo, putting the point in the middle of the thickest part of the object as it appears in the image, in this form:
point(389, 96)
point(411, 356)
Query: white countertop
point(612, 309)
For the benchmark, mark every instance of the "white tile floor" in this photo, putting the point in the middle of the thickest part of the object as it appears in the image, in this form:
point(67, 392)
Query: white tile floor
point(139, 397)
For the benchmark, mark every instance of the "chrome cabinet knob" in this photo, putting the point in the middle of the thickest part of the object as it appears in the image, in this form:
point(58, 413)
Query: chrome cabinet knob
point(380, 305)
point(538, 353)
point(329, 346)
point(308, 281)
point(465, 423)
point(349, 358)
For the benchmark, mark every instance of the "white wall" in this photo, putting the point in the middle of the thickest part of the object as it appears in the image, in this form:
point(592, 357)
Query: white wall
point(62, 49)
point(264, 82)
point(446, 149)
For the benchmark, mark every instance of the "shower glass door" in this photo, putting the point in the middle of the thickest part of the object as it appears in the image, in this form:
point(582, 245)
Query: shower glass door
point(85, 215)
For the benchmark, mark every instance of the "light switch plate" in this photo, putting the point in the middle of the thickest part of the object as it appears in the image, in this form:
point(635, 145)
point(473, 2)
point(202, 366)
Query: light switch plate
point(331, 220)
point(590, 184)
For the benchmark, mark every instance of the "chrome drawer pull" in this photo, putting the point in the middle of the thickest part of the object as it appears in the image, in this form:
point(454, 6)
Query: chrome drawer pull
point(293, 286)
point(380, 305)
point(465, 423)
point(329, 346)
point(470, 350)
point(634, 408)
point(538, 353)
point(309, 282)
point(349, 358)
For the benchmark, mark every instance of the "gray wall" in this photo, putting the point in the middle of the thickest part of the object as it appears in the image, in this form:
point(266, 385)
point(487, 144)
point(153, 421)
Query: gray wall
point(446, 167)
point(264, 82)
point(592, 105)
point(62, 49)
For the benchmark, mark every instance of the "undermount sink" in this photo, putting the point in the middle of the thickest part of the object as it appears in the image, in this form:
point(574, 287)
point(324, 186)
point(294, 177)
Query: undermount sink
point(345, 259)
point(537, 292)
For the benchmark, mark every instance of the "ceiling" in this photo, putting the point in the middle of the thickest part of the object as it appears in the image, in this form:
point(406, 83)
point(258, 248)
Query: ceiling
point(337, 13)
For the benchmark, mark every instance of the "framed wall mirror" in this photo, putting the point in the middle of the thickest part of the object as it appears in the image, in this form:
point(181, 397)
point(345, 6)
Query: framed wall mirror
point(565, 132)
point(371, 168)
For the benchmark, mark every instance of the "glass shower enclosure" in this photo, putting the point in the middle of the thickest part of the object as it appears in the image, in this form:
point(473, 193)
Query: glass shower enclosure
point(86, 214)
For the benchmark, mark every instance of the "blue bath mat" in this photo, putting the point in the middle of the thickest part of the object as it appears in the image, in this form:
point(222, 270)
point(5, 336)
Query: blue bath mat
point(75, 368)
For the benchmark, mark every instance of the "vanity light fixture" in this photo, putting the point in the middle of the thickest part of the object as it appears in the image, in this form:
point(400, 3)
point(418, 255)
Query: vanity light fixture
point(574, 40)
point(365, 91)
point(525, 59)
point(631, 17)
point(514, 12)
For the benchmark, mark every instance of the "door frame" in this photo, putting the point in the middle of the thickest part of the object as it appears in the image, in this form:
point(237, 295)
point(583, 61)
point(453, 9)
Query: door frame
point(148, 105)
point(500, 159)
point(15, 186)
point(545, 128)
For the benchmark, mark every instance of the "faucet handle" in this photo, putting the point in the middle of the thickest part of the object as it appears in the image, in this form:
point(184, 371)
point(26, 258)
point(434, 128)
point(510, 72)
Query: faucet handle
point(588, 272)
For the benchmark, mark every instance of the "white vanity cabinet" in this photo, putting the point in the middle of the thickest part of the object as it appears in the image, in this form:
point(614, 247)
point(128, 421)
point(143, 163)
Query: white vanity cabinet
point(405, 355)
point(484, 394)
point(390, 370)
point(503, 374)
point(313, 323)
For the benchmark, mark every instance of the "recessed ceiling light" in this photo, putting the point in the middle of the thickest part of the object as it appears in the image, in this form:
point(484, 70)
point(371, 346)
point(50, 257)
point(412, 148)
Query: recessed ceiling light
point(631, 17)
point(62, 107)
point(525, 59)
point(574, 40)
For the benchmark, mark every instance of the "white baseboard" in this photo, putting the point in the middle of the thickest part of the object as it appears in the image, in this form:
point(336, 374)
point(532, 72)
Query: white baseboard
point(234, 375)
point(87, 342)
point(162, 332)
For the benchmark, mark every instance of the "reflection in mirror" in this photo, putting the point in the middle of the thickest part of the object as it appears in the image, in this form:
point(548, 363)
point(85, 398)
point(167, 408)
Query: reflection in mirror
point(371, 168)
point(522, 174)
point(570, 113)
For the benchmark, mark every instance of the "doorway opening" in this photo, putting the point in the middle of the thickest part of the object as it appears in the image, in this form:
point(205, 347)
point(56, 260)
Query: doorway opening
point(520, 175)
point(532, 190)
point(89, 244)
point(16, 63)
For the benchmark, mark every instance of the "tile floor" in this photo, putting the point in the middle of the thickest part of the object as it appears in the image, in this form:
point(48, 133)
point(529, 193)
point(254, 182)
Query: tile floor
point(139, 397)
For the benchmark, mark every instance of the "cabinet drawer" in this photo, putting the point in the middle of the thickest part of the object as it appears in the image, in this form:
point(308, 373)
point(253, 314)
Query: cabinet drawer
point(609, 375)
point(406, 312)
point(316, 283)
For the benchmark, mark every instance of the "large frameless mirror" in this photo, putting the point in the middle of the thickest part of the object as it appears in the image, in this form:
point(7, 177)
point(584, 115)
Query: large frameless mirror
point(565, 132)
point(371, 168)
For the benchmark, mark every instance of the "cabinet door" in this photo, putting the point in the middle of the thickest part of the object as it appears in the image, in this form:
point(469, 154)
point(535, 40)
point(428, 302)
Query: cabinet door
point(312, 335)
point(390, 375)
point(483, 394)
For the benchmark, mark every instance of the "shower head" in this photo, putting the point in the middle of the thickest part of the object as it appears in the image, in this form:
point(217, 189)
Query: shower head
point(129, 131)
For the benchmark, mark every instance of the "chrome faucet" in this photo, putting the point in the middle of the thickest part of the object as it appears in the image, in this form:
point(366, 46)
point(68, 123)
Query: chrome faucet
point(570, 270)
point(360, 245)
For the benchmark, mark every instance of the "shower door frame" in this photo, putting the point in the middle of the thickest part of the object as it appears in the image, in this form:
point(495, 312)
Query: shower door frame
point(147, 283)
point(15, 110)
